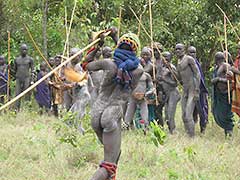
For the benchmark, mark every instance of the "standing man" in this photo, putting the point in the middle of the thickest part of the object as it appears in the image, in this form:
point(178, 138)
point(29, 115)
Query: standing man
point(222, 108)
point(146, 56)
point(55, 86)
point(42, 95)
point(107, 109)
point(201, 107)
point(158, 108)
point(169, 84)
point(190, 79)
point(144, 88)
point(24, 68)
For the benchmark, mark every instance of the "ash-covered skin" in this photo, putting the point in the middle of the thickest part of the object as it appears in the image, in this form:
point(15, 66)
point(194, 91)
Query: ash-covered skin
point(144, 88)
point(220, 81)
point(146, 60)
point(169, 84)
point(24, 69)
point(190, 79)
point(107, 111)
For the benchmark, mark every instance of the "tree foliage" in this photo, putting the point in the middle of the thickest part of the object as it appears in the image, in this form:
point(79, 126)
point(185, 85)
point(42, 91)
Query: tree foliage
point(193, 22)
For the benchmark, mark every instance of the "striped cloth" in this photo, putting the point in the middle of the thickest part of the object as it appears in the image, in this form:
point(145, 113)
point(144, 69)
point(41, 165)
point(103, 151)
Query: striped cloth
point(236, 90)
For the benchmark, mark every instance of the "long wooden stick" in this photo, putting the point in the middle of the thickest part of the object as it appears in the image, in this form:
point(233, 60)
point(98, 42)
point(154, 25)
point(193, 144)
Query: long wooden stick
point(39, 51)
point(50, 73)
point(36, 46)
point(218, 32)
point(219, 35)
point(66, 46)
point(119, 20)
point(139, 25)
point(66, 29)
point(149, 36)
point(140, 22)
point(226, 49)
point(154, 60)
point(9, 63)
point(228, 21)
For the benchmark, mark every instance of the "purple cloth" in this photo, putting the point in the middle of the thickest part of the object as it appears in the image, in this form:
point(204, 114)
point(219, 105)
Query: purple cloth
point(202, 82)
point(3, 83)
point(202, 105)
point(43, 93)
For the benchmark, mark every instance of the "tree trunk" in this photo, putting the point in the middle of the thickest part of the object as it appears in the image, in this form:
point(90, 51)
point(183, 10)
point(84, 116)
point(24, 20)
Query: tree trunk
point(44, 27)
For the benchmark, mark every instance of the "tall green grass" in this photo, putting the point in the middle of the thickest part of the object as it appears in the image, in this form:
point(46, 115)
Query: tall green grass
point(34, 147)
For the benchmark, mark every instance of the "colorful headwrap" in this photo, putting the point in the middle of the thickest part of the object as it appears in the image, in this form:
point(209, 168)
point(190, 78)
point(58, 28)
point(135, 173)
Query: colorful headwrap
point(131, 39)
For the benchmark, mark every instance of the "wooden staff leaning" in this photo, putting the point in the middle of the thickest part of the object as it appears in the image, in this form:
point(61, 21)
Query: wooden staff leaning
point(164, 60)
point(154, 60)
point(40, 53)
point(68, 29)
point(226, 49)
point(225, 15)
point(119, 20)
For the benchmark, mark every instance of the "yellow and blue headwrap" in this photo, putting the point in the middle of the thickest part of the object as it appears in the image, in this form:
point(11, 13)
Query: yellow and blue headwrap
point(132, 40)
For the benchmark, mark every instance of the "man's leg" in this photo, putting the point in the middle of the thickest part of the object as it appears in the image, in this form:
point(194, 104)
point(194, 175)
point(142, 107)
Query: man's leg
point(67, 99)
point(172, 106)
point(144, 112)
point(183, 106)
point(131, 108)
point(111, 124)
point(158, 113)
point(18, 91)
point(189, 115)
point(195, 114)
point(26, 84)
point(55, 110)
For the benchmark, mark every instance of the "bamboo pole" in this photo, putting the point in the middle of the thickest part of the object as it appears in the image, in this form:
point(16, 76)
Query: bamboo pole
point(149, 36)
point(119, 20)
point(228, 21)
point(68, 29)
point(36, 47)
point(9, 63)
point(219, 35)
point(154, 60)
point(39, 51)
point(140, 22)
point(139, 25)
point(226, 49)
point(50, 73)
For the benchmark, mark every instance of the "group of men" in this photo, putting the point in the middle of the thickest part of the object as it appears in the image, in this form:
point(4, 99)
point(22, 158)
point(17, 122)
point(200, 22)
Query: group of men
point(158, 89)
point(121, 86)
